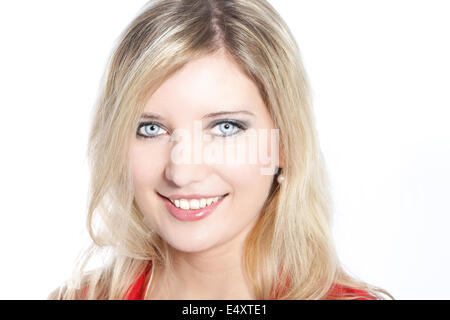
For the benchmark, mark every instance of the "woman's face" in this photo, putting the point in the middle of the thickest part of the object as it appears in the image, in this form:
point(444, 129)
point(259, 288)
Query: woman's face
point(205, 86)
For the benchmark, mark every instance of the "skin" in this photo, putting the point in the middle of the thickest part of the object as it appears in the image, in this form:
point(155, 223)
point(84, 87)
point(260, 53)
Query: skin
point(207, 252)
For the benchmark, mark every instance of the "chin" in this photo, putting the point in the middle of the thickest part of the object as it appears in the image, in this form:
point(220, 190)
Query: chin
point(190, 248)
point(191, 245)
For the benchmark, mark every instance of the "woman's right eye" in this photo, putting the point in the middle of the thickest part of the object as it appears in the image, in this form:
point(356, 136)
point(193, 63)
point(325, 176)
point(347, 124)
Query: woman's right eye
point(149, 130)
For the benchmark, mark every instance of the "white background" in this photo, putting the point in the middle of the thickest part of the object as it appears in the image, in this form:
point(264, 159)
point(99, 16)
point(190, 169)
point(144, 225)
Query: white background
point(380, 73)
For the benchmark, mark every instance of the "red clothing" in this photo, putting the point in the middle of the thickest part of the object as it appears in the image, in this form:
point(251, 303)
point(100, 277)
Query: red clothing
point(338, 291)
point(137, 290)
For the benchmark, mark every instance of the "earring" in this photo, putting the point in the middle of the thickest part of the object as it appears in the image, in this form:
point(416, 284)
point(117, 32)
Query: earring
point(280, 177)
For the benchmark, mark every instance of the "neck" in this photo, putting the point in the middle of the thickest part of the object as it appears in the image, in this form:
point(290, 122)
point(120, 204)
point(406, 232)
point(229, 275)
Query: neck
point(214, 274)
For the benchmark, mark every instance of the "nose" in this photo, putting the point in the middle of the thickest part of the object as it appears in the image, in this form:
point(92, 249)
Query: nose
point(183, 175)
point(184, 171)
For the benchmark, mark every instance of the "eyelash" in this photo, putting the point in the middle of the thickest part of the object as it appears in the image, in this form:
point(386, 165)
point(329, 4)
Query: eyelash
point(240, 125)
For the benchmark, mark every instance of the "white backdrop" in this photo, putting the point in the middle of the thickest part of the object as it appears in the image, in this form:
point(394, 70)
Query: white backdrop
point(380, 77)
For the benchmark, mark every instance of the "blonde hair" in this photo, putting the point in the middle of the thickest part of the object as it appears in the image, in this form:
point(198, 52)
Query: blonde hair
point(290, 253)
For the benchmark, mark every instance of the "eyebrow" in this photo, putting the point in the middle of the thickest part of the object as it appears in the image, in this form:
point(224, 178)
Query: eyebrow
point(149, 115)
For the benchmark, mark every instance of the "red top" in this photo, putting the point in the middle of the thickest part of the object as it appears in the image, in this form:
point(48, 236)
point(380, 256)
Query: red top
point(136, 291)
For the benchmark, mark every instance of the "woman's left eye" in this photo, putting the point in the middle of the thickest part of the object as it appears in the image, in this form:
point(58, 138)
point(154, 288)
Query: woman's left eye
point(228, 128)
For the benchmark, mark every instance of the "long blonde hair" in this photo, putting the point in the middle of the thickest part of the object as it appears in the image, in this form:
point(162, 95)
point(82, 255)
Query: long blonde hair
point(290, 253)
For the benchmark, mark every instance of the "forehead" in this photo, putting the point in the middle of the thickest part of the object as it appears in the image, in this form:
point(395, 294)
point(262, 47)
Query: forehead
point(206, 85)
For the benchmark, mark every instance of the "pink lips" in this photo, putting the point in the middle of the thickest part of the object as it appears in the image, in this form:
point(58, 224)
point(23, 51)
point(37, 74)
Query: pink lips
point(193, 214)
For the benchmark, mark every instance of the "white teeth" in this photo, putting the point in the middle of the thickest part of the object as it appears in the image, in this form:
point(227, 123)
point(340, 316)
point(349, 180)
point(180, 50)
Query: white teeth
point(194, 203)
point(184, 204)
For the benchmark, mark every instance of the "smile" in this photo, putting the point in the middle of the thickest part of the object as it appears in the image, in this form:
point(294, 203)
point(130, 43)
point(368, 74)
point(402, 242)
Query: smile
point(192, 209)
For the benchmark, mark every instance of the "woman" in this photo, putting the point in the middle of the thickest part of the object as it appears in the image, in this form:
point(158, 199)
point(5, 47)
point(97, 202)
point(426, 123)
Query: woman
point(200, 229)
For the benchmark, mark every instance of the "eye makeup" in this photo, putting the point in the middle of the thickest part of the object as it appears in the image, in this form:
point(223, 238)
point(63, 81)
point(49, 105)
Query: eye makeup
point(238, 124)
point(142, 125)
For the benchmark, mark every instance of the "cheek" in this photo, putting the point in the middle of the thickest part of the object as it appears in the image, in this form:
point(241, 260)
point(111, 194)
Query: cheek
point(144, 166)
point(250, 187)
point(251, 175)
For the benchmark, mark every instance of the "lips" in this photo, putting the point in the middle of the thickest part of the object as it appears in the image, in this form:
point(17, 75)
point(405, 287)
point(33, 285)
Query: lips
point(191, 214)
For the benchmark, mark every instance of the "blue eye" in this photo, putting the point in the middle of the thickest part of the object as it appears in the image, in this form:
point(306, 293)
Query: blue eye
point(149, 130)
point(229, 127)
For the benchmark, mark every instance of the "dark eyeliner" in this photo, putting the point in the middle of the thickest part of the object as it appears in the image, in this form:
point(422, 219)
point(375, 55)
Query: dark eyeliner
point(239, 124)
point(148, 123)
point(242, 125)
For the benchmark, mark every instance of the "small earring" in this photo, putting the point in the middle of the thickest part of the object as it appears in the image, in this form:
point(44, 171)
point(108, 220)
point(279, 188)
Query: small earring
point(280, 179)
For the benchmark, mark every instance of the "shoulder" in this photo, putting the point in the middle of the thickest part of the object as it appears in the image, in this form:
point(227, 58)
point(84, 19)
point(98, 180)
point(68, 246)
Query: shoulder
point(63, 293)
point(135, 291)
point(346, 293)
point(78, 287)
point(55, 294)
